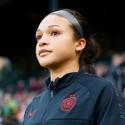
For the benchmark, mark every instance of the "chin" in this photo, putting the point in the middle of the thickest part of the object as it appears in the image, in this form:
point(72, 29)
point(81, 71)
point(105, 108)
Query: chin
point(45, 65)
point(49, 66)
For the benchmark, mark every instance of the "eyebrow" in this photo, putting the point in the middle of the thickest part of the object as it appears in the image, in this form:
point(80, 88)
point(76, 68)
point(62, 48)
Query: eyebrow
point(51, 26)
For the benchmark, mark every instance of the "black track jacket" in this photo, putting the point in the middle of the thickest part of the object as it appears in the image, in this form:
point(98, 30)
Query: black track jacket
point(77, 99)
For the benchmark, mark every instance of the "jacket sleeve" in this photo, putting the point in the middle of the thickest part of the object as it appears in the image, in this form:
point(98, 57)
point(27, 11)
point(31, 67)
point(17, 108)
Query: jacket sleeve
point(110, 107)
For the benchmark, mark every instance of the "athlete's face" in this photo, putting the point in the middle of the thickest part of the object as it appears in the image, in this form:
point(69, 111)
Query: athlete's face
point(55, 42)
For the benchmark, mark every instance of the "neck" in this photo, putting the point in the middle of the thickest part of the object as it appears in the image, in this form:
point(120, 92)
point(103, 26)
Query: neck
point(64, 69)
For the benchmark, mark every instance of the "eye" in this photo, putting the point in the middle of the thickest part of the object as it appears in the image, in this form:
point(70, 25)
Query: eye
point(38, 37)
point(55, 33)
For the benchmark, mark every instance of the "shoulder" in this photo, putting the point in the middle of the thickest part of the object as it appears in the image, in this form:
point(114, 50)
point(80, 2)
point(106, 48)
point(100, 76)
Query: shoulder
point(35, 101)
point(92, 80)
point(95, 85)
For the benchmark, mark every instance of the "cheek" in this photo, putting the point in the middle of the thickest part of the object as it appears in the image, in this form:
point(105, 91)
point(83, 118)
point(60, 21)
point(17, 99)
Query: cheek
point(64, 42)
point(36, 51)
point(65, 49)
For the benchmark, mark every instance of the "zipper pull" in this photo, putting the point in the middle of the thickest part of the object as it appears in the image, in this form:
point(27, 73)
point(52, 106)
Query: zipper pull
point(52, 94)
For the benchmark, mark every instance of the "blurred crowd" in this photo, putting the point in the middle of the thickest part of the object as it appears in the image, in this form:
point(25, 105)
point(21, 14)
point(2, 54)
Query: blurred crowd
point(114, 71)
point(15, 96)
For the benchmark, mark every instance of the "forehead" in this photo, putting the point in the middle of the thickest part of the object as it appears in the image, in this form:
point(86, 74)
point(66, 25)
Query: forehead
point(54, 20)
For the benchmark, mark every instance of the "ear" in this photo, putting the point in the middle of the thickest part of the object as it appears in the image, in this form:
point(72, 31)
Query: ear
point(80, 44)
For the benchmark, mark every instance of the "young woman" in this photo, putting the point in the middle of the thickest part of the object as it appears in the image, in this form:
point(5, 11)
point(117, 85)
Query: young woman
point(74, 96)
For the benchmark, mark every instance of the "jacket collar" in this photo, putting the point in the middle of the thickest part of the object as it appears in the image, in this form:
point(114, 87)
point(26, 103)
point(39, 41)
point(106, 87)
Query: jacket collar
point(61, 82)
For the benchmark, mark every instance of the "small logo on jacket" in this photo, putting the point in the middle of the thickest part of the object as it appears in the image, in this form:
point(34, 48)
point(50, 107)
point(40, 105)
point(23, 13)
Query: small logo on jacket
point(68, 103)
point(31, 114)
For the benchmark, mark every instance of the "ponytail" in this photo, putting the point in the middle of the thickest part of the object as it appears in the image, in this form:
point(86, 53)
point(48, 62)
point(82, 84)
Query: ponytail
point(89, 55)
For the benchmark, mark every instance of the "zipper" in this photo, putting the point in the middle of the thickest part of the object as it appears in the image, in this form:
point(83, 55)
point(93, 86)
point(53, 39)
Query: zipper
point(53, 88)
point(52, 93)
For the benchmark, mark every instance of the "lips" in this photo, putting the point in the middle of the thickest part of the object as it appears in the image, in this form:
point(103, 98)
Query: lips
point(44, 52)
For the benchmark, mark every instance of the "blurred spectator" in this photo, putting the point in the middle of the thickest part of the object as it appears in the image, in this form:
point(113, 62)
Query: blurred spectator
point(9, 121)
point(122, 67)
point(5, 68)
point(116, 75)
point(8, 110)
point(21, 99)
point(35, 85)
point(101, 69)
point(10, 107)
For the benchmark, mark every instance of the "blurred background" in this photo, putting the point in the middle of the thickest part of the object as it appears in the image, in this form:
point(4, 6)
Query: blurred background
point(20, 73)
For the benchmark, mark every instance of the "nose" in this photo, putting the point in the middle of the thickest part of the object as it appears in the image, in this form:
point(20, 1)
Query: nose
point(43, 41)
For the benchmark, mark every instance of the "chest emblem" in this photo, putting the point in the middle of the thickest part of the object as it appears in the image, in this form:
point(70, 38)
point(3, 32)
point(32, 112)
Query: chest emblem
point(68, 103)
